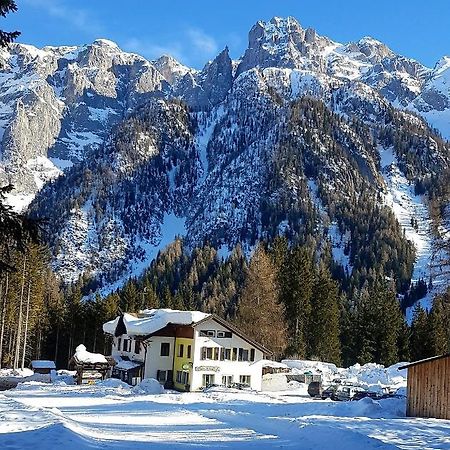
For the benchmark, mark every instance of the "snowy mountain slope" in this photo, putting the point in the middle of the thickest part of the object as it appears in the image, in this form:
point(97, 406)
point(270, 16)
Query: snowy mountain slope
point(227, 154)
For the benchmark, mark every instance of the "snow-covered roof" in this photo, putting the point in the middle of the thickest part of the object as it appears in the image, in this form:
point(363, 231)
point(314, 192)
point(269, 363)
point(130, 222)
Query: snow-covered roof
point(274, 364)
point(83, 356)
point(43, 364)
point(126, 364)
point(152, 320)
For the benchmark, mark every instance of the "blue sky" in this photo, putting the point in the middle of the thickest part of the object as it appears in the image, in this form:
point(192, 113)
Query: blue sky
point(196, 30)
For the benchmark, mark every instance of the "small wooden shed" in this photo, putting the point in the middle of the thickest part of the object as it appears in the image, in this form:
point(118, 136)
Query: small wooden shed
point(42, 366)
point(428, 392)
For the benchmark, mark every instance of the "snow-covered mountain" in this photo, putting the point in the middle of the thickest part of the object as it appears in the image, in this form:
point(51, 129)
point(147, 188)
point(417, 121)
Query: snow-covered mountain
point(290, 139)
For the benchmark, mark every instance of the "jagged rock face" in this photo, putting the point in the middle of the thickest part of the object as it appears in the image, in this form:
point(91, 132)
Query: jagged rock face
point(171, 69)
point(72, 99)
point(284, 43)
point(208, 88)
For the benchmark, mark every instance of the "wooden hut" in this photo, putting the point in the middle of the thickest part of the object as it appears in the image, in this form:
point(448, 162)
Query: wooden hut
point(43, 367)
point(428, 392)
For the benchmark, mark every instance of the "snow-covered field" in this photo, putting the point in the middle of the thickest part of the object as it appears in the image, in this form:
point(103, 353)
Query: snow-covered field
point(112, 415)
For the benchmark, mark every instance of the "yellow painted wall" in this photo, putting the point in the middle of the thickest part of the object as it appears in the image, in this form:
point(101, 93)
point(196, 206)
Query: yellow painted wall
point(180, 361)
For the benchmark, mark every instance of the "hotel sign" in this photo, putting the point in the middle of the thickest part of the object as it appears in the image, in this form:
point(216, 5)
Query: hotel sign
point(207, 369)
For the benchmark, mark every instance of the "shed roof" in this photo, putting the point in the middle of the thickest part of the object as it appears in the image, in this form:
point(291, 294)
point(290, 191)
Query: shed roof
point(422, 361)
point(43, 364)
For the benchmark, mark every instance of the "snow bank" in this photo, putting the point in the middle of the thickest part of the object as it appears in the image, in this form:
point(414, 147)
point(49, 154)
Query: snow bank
point(16, 373)
point(83, 356)
point(375, 374)
point(274, 382)
point(327, 370)
point(113, 383)
point(369, 375)
point(152, 320)
point(148, 386)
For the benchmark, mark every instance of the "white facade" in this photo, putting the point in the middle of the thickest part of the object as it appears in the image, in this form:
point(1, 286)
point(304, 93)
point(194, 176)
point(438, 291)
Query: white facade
point(224, 372)
point(156, 360)
point(131, 348)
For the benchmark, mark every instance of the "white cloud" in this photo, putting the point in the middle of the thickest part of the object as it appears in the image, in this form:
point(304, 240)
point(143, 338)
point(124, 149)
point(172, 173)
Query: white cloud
point(202, 42)
point(151, 50)
point(79, 18)
point(194, 47)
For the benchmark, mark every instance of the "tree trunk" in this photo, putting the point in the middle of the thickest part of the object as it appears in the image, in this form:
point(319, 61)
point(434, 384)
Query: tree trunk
point(2, 326)
point(56, 344)
point(26, 327)
point(19, 327)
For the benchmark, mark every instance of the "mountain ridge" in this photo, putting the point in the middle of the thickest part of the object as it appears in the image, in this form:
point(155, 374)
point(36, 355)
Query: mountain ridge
point(287, 140)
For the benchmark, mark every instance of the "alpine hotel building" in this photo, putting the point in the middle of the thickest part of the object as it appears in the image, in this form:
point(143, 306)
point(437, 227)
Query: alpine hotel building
point(184, 350)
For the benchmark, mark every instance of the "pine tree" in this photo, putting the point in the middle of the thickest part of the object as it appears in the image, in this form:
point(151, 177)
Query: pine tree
point(324, 329)
point(6, 7)
point(296, 285)
point(439, 343)
point(260, 315)
point(420, 339)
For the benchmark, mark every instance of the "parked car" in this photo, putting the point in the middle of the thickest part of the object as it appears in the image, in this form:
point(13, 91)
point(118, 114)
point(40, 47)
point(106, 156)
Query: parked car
point(346, 393)
point(328, 392)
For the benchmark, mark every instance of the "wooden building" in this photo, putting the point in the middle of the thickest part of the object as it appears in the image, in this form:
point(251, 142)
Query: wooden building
point(428, 392)
point(43, 367)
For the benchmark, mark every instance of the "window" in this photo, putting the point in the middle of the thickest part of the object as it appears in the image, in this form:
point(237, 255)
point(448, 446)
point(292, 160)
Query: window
point(125, 345)
point(252, 354)
point(222, 354)
point(161, 376)
point(208, 333)
point(227, 354)
point(165, 349)
point(244, 355)
point(234, 356)
point(182, 377)
point(119, 341)
point(209, 353)
point(207, 379)
point(216, 353)
point(189, 351)
point(181, 350)
point(245, 379)
point(137, 347)
point(224, 334)
point(227, 380)
point(240, 354)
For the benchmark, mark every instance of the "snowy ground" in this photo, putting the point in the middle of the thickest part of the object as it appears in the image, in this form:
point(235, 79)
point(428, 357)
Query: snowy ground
point(113, 416)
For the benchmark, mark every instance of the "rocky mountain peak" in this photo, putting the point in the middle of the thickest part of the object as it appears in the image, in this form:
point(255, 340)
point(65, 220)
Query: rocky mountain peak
point(373, 49)
point(171, 69)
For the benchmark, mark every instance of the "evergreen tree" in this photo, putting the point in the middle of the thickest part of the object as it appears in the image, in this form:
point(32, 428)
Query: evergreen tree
point(296, 285)
point(6, 7)
point(420, 339)
point(324, 329)
point(438, 334)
